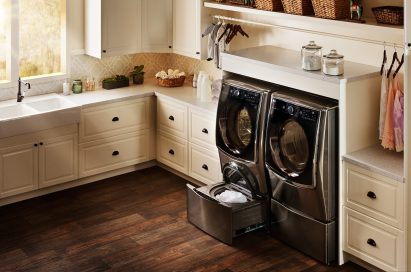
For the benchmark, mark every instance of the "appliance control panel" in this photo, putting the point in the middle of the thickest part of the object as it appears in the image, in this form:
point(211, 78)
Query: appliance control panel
point(296, 111)
point(246, 95)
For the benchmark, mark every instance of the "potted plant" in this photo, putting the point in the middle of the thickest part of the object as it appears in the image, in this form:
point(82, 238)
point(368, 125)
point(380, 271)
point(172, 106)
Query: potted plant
point(138, 74)
point(118, 81)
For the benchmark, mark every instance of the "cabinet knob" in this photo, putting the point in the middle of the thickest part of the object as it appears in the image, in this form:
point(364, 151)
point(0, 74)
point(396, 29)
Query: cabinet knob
point(115, 153)
point(371, 242)
point(35, 145)
point(41, 143)
point(197, 53)
point(171, 152)
point(205, 167)
point(371, 195)
point(115, 119)
point(170, 46)
point(205, 131)
point(171, 118)
point(104, 51)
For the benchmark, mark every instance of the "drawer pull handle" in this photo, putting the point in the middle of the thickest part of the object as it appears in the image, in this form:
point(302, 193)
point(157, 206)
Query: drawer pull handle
point(205, 131)
point(171, 152)
point(116, 153)
point(115, 119)
point(371, 195)
point(371, 242)
point(35, 144)
point(205, 167)
point(41, 143)
point(171, 118)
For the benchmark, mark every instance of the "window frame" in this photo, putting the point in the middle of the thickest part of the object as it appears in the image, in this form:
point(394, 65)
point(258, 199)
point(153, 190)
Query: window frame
point(12, 60)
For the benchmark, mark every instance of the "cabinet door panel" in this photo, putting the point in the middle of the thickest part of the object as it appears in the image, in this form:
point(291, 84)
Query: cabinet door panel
point(58, 161)
point(186, 27)
point(157, 25)
point(18, 169)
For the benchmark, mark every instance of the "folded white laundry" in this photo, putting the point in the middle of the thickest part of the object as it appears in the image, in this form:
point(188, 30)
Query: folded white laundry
point(230, 196)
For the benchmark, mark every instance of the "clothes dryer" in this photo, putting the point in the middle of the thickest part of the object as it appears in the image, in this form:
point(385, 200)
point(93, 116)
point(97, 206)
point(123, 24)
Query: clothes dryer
point(301, 159)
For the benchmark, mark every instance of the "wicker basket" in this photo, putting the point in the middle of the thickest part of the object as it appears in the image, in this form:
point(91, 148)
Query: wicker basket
point(271, 5)
point(171, 82)
point(389, 15)
point(299, 7)
point(331, 9)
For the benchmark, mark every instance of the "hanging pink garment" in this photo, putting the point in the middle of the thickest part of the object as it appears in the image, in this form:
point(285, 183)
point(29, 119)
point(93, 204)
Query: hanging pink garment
point(398, 117)
point(388, 139)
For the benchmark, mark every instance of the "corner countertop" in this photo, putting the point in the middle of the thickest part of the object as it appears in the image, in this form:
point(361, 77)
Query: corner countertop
point(379, 160)
point(185, 94)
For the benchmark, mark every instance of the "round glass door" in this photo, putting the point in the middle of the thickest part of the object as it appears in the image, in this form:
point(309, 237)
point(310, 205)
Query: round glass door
point(291, 151)
point(244, 127)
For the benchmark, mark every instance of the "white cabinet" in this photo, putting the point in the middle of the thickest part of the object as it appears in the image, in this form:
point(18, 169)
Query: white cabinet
point(58, 160)
point(157, 25)
point(373, 218)
point(116, 135)
point(38, 160)
point(18, 168)
point(186, 140)
point(188, 21)
point(112, 27)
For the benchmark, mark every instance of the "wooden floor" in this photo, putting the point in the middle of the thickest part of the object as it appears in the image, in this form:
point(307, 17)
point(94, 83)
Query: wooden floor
point(134, 222)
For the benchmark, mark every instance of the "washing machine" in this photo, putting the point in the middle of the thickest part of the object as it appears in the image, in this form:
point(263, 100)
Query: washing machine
point(240, 127)
point(301, 160)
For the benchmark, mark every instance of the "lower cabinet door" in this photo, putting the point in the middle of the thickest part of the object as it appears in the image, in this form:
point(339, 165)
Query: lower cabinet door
point(172, 151)
point(18, 169)
point(113, 153)
point(373, 241)
point(204, 164)
point(58, 161)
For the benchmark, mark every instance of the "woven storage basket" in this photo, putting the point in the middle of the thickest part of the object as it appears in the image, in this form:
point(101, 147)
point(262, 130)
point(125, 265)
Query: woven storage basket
point(389, 15)
point(271, 5)
point(171, 82)
point(299, 7)
point(331, 9)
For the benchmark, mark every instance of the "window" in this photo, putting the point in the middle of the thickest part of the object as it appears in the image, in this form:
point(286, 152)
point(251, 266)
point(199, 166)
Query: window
point(4, 43)
point(37, 39)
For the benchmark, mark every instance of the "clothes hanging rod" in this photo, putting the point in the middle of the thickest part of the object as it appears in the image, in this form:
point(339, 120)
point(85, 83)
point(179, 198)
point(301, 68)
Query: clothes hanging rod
point(391, 44)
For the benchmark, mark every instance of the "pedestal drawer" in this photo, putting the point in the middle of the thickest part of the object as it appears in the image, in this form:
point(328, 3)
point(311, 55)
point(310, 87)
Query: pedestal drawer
point(113, 153)
point(374, 195)
point(373, 241)
point(204, 165)
point(172, 151)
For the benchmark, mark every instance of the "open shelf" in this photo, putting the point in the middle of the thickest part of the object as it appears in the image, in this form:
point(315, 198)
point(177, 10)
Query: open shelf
point(370, 30)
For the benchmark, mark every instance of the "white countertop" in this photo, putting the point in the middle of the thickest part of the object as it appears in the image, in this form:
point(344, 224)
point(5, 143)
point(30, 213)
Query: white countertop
point(378, 160)
point(184, 94)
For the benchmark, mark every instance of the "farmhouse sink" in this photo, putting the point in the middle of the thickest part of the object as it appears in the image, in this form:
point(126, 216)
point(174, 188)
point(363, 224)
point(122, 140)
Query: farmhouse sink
point(15, 111)
point(37, 113)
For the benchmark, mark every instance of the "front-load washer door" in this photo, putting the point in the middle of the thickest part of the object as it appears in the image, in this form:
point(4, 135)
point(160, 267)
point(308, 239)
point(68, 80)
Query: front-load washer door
point(291, 143)
point(237, 122)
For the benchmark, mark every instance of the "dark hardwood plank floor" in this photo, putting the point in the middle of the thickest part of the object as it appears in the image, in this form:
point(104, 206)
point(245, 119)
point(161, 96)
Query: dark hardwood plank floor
point(134, 222)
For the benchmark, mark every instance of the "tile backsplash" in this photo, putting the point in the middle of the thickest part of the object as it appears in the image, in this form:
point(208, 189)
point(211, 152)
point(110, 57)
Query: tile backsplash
point(83, 66)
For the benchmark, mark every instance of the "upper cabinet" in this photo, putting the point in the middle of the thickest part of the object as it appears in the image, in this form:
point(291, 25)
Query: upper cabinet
point(188, 22)
point(112, 27)
point(157, 25)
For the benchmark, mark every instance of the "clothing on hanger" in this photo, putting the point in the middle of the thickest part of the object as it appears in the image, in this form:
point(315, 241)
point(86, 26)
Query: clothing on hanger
point(388, 139)
point(398, 116)
point(383, 101)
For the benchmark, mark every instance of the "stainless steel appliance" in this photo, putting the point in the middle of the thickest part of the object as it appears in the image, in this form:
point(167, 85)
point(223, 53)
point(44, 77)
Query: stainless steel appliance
point(301, 159)
point(241, 115)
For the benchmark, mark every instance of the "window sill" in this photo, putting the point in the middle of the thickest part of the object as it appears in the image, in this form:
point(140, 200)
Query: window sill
point(4, 84)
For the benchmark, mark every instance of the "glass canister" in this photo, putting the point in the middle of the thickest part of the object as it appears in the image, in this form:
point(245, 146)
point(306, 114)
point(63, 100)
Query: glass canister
point(333, 64)
point(77, 86)
point(311, 57)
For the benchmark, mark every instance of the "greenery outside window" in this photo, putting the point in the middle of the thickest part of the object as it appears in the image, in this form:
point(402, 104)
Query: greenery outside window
point(33, 40)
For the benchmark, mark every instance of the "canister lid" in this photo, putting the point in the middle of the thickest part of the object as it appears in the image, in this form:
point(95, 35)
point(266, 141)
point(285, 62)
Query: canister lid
point(333, 55)
point(312, 45)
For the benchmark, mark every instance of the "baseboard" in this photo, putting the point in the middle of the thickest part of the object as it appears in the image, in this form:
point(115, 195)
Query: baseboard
point(352, 258)
point(177, 173)
point(75, 183)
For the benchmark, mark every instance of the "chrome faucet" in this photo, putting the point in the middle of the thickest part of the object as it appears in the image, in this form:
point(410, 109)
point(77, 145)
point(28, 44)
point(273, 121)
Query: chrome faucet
point(20, 94)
